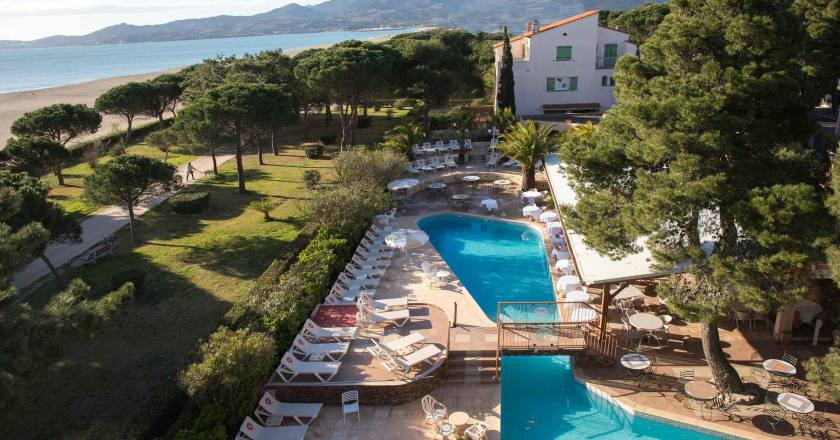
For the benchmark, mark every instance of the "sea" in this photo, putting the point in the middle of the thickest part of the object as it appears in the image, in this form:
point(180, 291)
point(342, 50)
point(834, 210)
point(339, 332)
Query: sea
point(30, 69)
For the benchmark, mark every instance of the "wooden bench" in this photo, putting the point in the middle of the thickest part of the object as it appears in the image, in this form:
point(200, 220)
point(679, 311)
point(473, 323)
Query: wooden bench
point(587, 107)
point(98, 252)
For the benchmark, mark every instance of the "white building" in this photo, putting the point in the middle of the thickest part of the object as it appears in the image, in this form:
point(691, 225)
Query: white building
point(566, 66)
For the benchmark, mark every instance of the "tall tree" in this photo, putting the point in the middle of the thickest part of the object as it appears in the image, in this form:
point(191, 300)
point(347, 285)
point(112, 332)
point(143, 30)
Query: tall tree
point(349, 71)
point(700, 152)
point(129, 180)
point(528, 143)
point(164, 139)
point(164, 95)
point(127, 100)
point(34, 207)
point(36, 155)
point(463, 121)
point(193, 129)
point(640, 22)
point(506, 95)
point(402, 137)
point(17, 245)
point(60, 122)
point(821, 57)
point(237, 114)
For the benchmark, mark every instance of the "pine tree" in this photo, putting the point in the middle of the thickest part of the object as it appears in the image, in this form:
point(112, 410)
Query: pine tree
point(506, 97)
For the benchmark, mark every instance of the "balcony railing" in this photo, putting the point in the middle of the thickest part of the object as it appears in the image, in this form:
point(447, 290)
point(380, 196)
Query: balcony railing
point(605, 62)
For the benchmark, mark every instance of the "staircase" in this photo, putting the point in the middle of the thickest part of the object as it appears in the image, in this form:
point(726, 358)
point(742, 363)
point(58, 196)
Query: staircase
point(474, 366)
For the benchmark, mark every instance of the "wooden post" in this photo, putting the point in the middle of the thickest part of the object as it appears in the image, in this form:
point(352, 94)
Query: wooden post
point(605, 308)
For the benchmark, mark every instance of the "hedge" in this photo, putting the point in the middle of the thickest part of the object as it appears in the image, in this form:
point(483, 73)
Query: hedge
point(314, 151)
point(190, 202)
point(134, 276)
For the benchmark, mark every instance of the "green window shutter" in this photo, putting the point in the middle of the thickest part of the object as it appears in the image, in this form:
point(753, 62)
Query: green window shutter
point(610, 50)
point(573, 83)
point(549, 86)
point(564, 53)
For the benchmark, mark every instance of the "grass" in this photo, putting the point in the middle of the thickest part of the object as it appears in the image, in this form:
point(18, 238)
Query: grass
point(70, 195)
point(197, 267)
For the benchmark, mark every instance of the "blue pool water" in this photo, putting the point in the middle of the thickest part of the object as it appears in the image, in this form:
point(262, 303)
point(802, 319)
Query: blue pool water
point(542, 400)
point(495, 260)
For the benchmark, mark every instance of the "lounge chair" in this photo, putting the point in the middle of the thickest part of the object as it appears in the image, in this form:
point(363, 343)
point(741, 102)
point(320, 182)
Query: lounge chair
point(437, 164)
point(371, 316)
point(374, 237)
point(402, 365)
point(439, 145)
point(450, 161)
point(510, 163)
point(333, 351)
point(435, 411)
point(378, 263)
point(477, 431)
point(365, 283)
point(254, 431)
point(383, 230)
point(468, 144)
point(393, 347)
point(493, 160)
point(316, 332)
point(290, 367)
point(429, 272)
point(412, 169)
point(384, 304)
point(417, 150)
point(356, 271)
point(271, 412)
point(386, 218)
point(342, 295)
point(371, 246)
point(421, 164)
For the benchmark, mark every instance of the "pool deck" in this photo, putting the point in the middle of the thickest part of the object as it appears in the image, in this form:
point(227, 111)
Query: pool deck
point(475, 333)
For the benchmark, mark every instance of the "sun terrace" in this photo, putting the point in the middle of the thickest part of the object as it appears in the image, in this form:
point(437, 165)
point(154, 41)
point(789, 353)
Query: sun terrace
point(412, 329)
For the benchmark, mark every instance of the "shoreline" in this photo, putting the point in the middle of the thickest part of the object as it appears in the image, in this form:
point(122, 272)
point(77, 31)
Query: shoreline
point(14, 104)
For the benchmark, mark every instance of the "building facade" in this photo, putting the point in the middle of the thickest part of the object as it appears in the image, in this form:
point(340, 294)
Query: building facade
point(565, 66)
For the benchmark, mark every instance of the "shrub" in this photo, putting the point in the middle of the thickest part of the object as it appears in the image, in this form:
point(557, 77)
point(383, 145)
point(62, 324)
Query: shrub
point(119, 148)
point(345, 211)
point(108, 306)
point(231, 370)
point(90, 154)
point(190, 202)
point(377, 106)
point(374, 168)
point(824, 372)
point(136, 277)
point(328, 139)
point(389, 113)
point(403, 103)
point(209, 425)
point(439, 121)
point(313, 151)
point(311, 178)
point(264, 205)
point(364, 122)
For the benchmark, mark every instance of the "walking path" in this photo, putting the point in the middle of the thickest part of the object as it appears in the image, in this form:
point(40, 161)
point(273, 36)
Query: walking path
point(99, 226)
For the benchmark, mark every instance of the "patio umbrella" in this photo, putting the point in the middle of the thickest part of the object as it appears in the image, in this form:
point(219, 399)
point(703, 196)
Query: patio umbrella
point(399, 184)
point(406, 239)
point(548, 216)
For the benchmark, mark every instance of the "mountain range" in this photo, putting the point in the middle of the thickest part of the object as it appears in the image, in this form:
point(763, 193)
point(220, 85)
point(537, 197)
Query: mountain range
point(332, 15)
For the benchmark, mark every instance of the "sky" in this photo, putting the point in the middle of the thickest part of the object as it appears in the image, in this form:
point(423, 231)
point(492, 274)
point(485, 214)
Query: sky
point(31, 19)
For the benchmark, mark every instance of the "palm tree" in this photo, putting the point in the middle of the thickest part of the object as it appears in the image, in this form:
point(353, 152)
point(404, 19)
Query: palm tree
point(402, 137)
point(463, 121)
point(528, 143)
point(503, 119)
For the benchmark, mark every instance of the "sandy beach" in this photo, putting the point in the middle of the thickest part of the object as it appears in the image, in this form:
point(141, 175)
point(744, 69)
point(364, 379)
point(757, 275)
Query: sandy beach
point(14, 105)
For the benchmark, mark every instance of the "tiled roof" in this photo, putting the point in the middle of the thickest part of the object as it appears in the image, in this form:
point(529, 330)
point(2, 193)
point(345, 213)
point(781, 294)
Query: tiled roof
point(551, 26)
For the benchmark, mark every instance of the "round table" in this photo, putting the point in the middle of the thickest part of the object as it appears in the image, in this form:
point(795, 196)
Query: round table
point(701, 390)
point(795, 403)
point(548, 216)
point(553, 228)
point(531, 211)
point(501, 183)
point(459, 420)
point(568, 283)
point(441, 275)
point(564, 265)
point(646, 321)
point(635, 361)
point(560, 255)
point(471, 180)
point(779, 367)
point(461, 199)
point(531, 194)
point(490, 204)
point(436, 187)
point(584, 314)
point(578, 296)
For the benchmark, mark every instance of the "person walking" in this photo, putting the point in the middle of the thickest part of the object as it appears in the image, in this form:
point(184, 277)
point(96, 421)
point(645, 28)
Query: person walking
point(190, 172)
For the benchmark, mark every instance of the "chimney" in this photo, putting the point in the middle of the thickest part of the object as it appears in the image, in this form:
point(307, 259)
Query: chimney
point(536, 27)
point(529, 27)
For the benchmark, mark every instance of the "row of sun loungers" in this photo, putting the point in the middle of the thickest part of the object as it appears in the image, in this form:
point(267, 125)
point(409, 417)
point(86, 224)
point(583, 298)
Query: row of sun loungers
point(427, 149)
point(274, 417)
point(431, 165)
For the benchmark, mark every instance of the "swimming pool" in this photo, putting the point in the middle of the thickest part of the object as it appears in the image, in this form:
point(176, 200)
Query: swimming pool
point(495, 260)
point(542, 400)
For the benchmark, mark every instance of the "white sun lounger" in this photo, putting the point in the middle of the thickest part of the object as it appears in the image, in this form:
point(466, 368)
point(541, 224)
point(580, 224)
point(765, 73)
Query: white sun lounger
point(371, 246)
point(366, 283)
point(493, 160)
point(450, 161)
point(384, 304)
point(468, 144)
point(401, 365)
point(290, 367)
point(254, 431)
point(411, 168)
point(392, 347)
point(271, 412)
point(436, 163)
point(351, 269)
point(337, 334)
point(370, 316)
point(333, 351)
point(386, 218)
point(377, 263)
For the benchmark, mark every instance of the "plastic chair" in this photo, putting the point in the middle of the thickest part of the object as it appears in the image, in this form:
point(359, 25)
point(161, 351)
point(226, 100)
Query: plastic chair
point(350, 404)
point(477, 431)
point(742, 316)
point(435, 411)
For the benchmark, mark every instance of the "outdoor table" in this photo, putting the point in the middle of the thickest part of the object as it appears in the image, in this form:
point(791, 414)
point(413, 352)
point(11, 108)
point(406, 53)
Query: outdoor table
point(501, 183)
point(553, 228)
point(471, 181)
point(548, 216)
point(701, 390)
point(564, 265)
point(584, 314)
point(558, 241)
point(441, 275)
point(778, 367)
point(459, 420)
point(437, 186)
point(461, 200)
point(647, 322)
point(635, 361)
point(531, 211)
point(578, 296)
point(795, 403)
point(490, 204)
point(568, 283)
point(560, 255)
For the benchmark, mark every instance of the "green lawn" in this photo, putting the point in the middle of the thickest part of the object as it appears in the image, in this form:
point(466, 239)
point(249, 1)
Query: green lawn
point(69, 195)
point(197, 267)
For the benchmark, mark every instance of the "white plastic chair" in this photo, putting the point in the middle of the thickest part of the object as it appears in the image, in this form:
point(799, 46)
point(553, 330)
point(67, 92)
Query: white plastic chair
point(434, 410)
point(429, 271)
point(477, 431)
point(350, 404)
